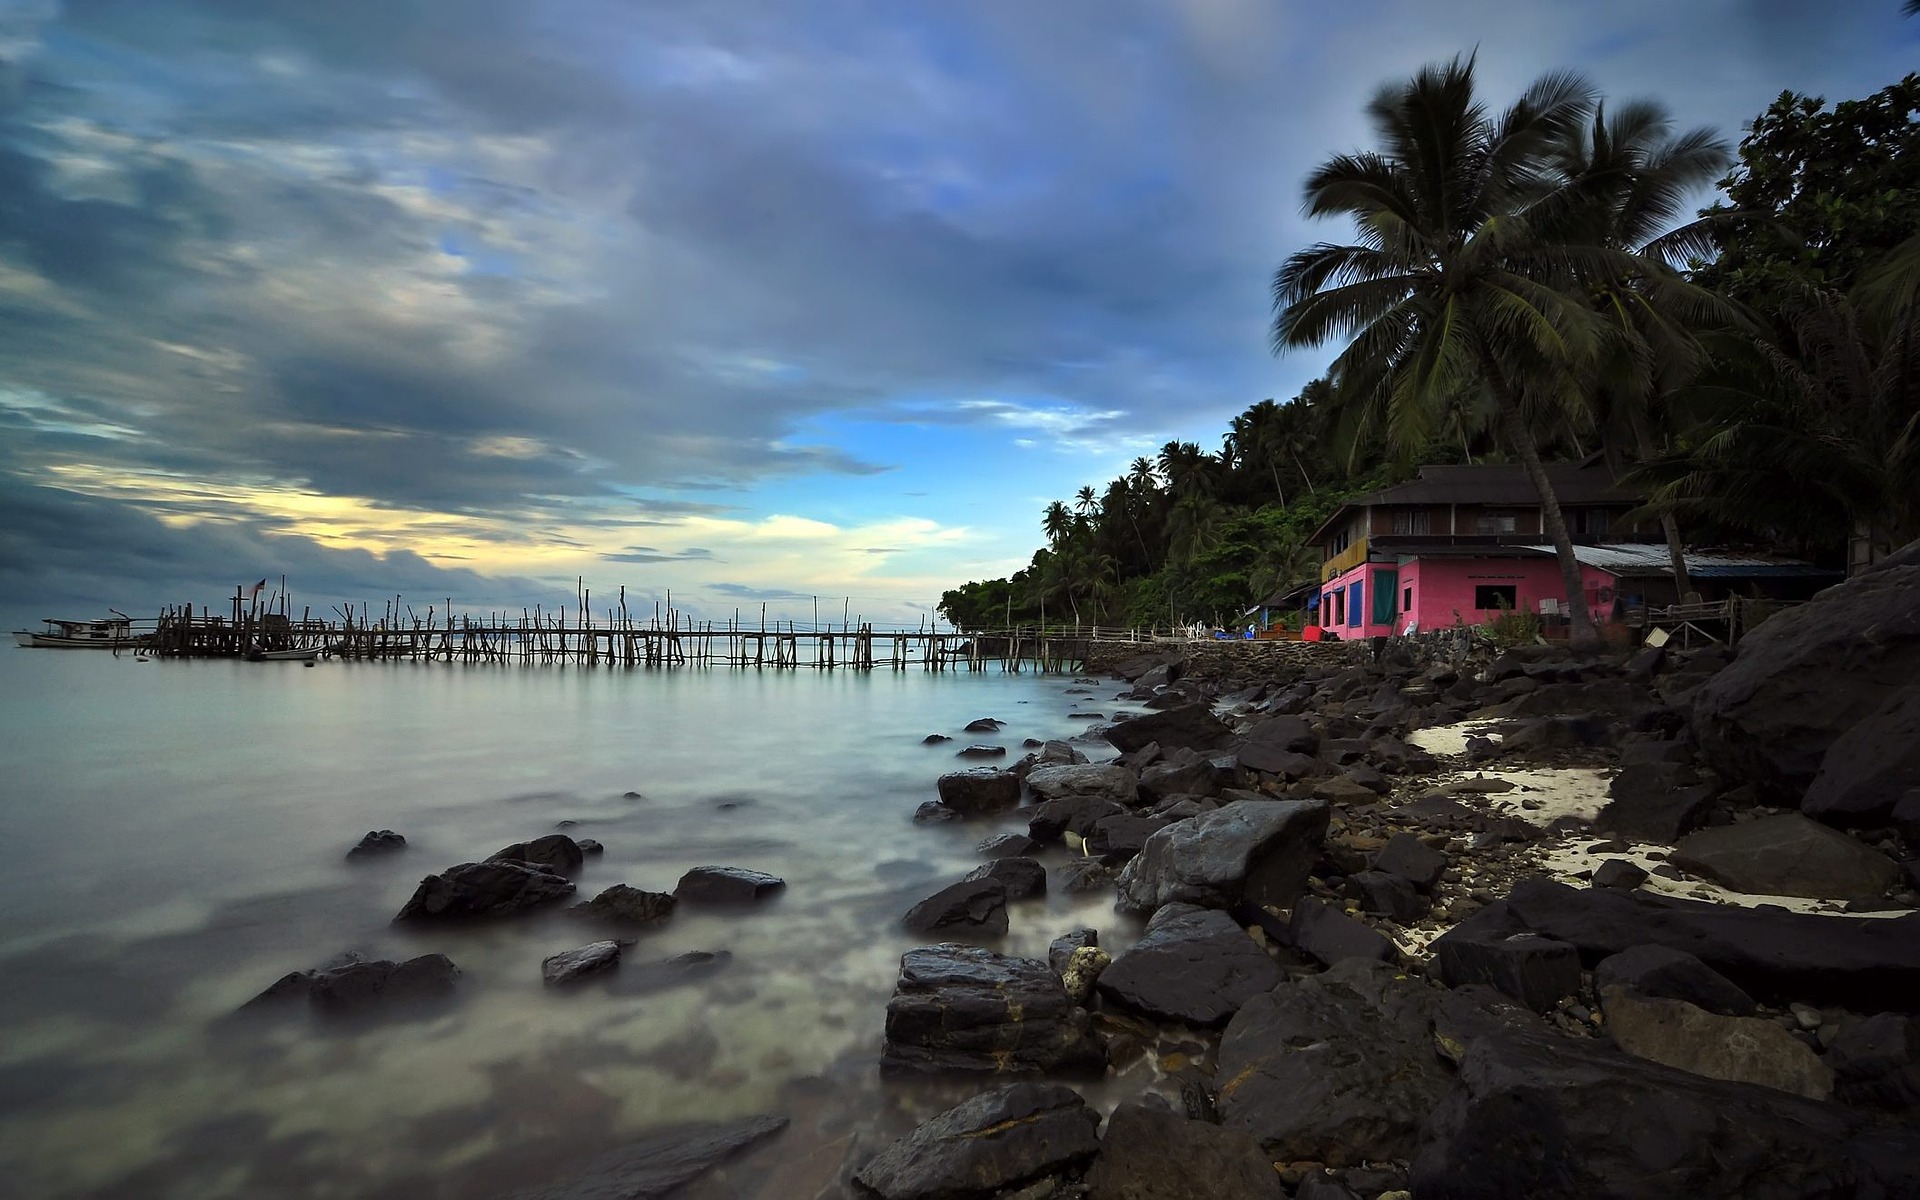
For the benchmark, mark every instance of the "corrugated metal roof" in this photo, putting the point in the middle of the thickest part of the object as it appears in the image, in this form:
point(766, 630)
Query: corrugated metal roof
point(1644, 560)
point(1500, 485)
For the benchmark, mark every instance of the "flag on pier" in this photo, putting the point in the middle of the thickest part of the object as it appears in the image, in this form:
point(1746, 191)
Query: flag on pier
point(258, 588)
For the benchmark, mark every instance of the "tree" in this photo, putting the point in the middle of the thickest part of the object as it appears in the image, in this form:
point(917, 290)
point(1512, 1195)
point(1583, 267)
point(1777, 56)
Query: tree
point(1057, 522)
point(1632, 177)
point(1456, 282)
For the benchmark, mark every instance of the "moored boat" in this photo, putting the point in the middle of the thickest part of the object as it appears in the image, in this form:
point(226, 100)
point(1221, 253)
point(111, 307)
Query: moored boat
point(306, 655)
point(108, 633)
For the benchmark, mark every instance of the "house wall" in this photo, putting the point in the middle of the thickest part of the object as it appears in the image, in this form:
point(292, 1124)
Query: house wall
point(1443, 588)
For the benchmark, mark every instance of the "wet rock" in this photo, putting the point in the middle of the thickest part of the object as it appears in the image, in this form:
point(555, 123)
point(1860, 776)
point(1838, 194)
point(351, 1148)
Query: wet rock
point(576, 964)
point(980, 751)
point(622, 904)
point(378, 842)
point(1083, 971)
point(1114, 840)
point(932, 812)
point(976, 793)
point(1052, 819)
point(1673, 975)
point(986, 1146)
point(365, 987)
point(726, 885)
point(1343, 789)
point(555, 851)
point(984, 725)
point(1867, 963)
point(1534, 970)
point(1618, 873)
point(1078, 876)
point(1384, 895)
point(1257, 850)
point(974, 906)
point(1021, 877)
point(967, 1010)
point(1690, 1039)
point(1152, 1154)
point(1654, 802)
point(1413, 860)
point(1338, 1068)
point(1876, 1062)
point(1328, 935)
point(660, 1163)
point(934, 739)
point(1272, 760)
point(1105, 781)
point(1283, 733)
point(644, 979)
point(1195, 966)
point(1060, 951)
point(1787, 855)
point(1191, 725)
point(489, 889)
point(1009, 845)
point(1164, 780)
point(590, 847)
point(1533, 1113)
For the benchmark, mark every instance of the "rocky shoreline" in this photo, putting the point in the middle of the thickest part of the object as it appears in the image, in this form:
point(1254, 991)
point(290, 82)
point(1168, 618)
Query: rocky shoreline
point(1445, 920)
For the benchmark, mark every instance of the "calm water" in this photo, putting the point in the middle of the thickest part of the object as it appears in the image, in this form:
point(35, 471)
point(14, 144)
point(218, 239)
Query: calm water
point(174, 836)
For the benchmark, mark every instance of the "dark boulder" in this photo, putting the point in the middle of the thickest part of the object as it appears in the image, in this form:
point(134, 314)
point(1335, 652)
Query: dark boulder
point(1114, 840)
point(1673, 975)
point(1272, 760)
point(364, 987)
point(590, 846)
point(1866, 963)
point(489, 889)
point(1619, 873)
point(1191, 725)
point(1654, 802)
point(1787, 855)
point(1105, 781)
point(932, 812)
point(1338, 1068)
point(1195, 966)
point(1022, 877)
point(1870, 766)
point(979, 751)
point(1485, 948)
point(1009, 845)
point(967, 1010)
point(975, 906)
point(1876, 1062)
point(934, 739)
point(1328, 935)
point(977, 793)
point(1258, 850)
point(1078, 876)
point(1154, 1154)
point(1383, 895)
point(377, 842)
point(555, 851)
point(986, 1146)
point(1533, 1113)
point(1070, 814)
point(625, 905)
point(1283, 733)
point(1806, 676)
point(1411, 859)
point(984, 725)
point(1163, 780)
point(659, 1164)
point(1060, 950)
point(1691, 1039)
point(726, 885)
point(572, 965)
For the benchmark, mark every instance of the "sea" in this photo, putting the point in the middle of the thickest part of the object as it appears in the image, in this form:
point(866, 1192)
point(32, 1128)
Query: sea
point(174, 839)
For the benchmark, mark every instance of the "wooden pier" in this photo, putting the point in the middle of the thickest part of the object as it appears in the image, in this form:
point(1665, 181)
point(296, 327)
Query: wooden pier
point(614, 638)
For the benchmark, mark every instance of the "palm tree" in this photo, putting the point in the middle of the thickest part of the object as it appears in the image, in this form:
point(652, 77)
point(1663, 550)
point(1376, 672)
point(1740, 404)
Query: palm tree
point(1085, 504)
point(1456, 284)
point(1635, 177)
point(1057, 522)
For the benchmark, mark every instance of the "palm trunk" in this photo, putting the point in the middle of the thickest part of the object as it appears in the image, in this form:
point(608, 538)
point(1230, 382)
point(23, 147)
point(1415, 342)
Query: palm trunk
point(1581, 634)
point(1277, 489)
point(1311, 490)
point(1676, 552)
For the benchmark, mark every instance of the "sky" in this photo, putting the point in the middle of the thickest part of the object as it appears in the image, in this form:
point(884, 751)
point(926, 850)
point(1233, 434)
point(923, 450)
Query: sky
point(752, 301)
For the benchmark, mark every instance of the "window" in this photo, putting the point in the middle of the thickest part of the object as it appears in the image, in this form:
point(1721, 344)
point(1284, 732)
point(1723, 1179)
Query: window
point(1407, 603)
point(1504, 596)
point(1491, 523)
point(1412, 522)
point(1590, 521)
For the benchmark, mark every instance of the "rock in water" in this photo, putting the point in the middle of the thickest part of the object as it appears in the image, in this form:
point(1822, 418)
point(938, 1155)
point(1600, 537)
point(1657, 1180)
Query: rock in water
point(1787, 855)
point(996, 1141)
point(363, 987)
point(967, 1010)
point(726, 885)
point(556, 851)
point(977, 793)
point(1084, 968)
point(1023, 877)
point(1151, 1154)
point(489, 889)
point(1338, 1068)
point(659, 1164)
point(977, 906)
point(378, 842)
point(624, 905)
point(1257, 850)
point(579, 963)
point(1109, 781)
point(1806, 676)
point(1195, 966)
point(1742, 1049)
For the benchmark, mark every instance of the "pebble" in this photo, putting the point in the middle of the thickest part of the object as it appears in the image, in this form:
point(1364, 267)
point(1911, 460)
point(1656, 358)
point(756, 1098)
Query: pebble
point(1807, 1016)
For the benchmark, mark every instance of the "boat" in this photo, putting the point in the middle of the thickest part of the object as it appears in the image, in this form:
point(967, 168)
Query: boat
point(306, 655)
point(108, 633)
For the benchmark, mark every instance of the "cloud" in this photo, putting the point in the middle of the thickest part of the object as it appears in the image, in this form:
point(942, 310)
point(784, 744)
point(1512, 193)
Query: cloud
point(647, 554)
